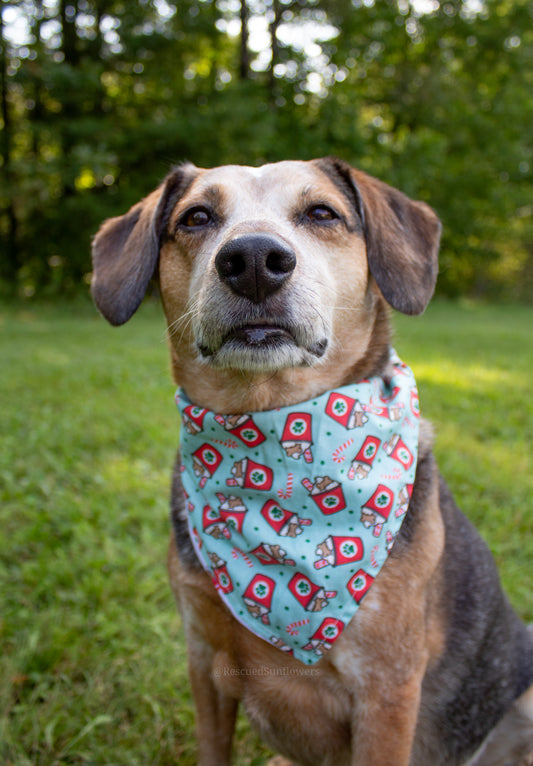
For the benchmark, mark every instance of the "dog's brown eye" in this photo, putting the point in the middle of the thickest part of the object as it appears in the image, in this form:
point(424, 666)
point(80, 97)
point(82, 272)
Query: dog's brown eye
point(195, 218)
point(321, 214)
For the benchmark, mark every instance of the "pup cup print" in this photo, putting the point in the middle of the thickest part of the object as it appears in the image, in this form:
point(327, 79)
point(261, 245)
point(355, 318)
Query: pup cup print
point(258, 597)
point(248, 474)
point(398, 450)
point(337, 550)
point(206, 459)
point(346, 411)
point(376, 511)
point(359, 584)
point(327, 494)
point(283, 522)
point(312, 597)
point(362, 462)
point(404, 496)
point(221, 577)
point(213, 524)
point(193, 419)
point(243, 427)
point(272, 554)
point(232, 511)
point(326, 635)
point(297, 438)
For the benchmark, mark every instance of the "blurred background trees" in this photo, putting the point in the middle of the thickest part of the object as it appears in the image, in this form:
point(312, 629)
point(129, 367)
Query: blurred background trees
point(100, 97)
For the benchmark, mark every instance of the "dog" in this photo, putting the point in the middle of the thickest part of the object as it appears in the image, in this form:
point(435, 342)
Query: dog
point(277, 284)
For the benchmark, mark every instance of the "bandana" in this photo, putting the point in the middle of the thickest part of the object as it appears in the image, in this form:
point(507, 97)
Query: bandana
point(294, 511)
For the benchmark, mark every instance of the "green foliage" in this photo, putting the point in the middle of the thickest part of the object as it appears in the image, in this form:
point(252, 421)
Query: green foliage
point(101, 98)
point(92, 659)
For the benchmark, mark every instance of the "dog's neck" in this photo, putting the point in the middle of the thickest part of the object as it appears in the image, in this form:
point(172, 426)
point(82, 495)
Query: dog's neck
point(239, 391)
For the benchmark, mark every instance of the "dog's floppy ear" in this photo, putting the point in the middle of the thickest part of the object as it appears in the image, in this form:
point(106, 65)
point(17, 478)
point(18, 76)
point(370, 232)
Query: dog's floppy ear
point(402, 242)
point(402, 238)
point(125, 250)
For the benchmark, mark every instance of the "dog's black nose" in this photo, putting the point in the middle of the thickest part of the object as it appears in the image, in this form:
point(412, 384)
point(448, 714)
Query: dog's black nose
point(255, 265)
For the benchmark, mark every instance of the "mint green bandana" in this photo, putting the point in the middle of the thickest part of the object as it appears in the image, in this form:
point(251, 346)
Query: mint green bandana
point(294, 511)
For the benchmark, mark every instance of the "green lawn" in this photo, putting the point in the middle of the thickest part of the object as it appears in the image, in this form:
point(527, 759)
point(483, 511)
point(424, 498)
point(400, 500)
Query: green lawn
point(93, 662)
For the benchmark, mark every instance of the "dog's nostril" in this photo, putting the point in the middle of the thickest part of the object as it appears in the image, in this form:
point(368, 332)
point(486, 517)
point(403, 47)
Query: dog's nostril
point(280, 261)
point(231, 265)
point(255, 265)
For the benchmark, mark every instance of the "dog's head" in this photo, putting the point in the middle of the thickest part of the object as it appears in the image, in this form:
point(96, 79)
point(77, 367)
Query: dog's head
point(263, 270)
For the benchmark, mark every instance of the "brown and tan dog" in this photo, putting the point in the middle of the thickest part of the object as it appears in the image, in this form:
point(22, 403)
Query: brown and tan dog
point(276, 284)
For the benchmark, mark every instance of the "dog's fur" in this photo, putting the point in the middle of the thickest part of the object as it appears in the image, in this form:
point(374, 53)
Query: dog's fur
point(435, 660)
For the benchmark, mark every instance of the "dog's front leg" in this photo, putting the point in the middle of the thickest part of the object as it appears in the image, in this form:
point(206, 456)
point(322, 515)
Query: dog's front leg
point(385, 669)
point(385, 723)
point(215, 710)
point(216, 707)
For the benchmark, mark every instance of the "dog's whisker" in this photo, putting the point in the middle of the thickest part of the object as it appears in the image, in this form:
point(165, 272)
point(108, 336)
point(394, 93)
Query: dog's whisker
point(184, 321)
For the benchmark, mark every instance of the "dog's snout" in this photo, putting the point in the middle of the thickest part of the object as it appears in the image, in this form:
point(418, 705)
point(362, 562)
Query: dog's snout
point(255, 265)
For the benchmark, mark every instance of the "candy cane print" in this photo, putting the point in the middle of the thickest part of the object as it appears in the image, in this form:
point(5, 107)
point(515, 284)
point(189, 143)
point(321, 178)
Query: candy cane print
point(236, 552)
point(230, 443)
point(396, 475)
point(292, 629)
point(373, 561)
point(247, 559)
point(288, 492)
point(337, 456)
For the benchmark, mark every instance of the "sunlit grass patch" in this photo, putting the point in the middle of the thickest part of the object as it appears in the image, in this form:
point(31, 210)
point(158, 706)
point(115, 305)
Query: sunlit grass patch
point(474, 365)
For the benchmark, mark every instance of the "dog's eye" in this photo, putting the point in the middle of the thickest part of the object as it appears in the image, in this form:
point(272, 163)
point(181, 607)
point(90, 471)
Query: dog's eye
point(321, 214)
point(195, 218)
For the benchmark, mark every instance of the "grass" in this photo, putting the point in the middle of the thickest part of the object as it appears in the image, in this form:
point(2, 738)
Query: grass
point(93, 667)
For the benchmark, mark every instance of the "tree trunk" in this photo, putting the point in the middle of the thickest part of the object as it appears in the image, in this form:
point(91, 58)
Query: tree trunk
point(38, 111)
point(10, 263)
point(67, 14)
point(274, 45)
point(68, 11)
point(244, 70)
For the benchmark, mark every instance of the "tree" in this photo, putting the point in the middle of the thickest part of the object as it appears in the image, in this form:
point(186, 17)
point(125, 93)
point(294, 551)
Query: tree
point(10, 263)
point(99, 99)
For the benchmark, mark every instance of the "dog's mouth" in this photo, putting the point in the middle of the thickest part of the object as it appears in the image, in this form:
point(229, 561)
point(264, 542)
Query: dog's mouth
point(260, 335)
point(263, 346)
